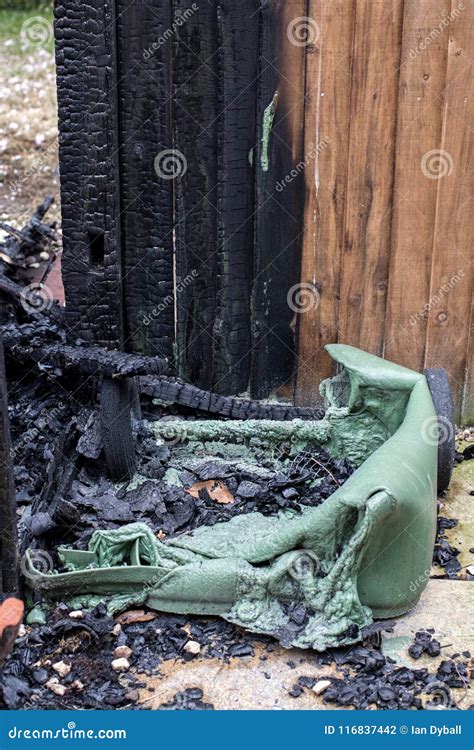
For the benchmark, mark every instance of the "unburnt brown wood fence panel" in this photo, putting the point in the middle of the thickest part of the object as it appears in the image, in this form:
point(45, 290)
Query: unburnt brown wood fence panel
point(399, 281)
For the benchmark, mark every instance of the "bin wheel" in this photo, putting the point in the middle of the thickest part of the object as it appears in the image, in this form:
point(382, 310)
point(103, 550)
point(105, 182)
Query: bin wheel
point(438, 384)
point(117, 398)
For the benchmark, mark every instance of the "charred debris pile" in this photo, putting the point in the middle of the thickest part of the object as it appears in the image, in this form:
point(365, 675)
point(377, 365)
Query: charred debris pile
point(64, 491)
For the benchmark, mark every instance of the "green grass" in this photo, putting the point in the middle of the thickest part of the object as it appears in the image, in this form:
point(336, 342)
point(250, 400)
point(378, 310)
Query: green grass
point(21, 25)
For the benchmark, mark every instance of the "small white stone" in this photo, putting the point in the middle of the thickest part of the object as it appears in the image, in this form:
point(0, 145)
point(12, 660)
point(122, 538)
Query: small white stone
point(321, 686)
point(470, 570)
point(55, 687)
point(117, 629)
point(21, 631)
point(76, 614)
point(77, 685)
point(192, 647)
point(62, 668)
point(123, 652)
point(120, 665)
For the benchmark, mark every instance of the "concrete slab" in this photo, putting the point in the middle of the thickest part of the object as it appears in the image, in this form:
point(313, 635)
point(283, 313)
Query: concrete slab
point(256, 683)
point(448, 607)
point(459, 504)
point(242, 684)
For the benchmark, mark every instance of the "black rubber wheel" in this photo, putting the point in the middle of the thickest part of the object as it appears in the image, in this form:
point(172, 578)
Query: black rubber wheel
point(116, 400)
point(443, 402)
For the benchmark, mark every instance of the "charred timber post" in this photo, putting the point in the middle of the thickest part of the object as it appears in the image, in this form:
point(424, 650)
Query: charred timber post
point(8, 528)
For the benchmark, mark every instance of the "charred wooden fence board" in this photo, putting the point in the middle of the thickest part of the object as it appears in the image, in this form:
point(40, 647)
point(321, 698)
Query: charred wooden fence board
point(195, 76)
point(279, 196)
point(344, 99)
point(237, 56)
point(183, 89)
point(8, 516)
point(145, 102)
point(90, 187)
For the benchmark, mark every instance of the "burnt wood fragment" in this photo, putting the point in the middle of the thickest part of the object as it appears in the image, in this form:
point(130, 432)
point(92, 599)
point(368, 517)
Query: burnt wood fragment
point(175, 391)
point(35, 242)
point(90, 360)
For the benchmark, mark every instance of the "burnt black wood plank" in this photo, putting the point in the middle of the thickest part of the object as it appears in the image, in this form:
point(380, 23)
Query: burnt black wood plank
point(279, 197)
point(87, 100)
point(145, 100)
point(237, 95)
point(195, 132)
point(8, 517)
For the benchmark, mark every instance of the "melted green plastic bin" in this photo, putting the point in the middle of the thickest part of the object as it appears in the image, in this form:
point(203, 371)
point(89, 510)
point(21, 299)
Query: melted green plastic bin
point(311, 579)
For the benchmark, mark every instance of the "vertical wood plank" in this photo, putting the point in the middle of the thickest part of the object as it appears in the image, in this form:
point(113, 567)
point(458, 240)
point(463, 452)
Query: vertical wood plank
point(367, 222)
point(148, 170)
point(451, 279)
point(86, 58)
point(8, 511)
point(195, 78)
point(419, 125)
point(467, 417)
point(326, 145)
point(279, 192)
point(236, 127)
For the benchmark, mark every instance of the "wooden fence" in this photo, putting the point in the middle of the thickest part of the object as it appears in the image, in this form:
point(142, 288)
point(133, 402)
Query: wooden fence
point(244, 182)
